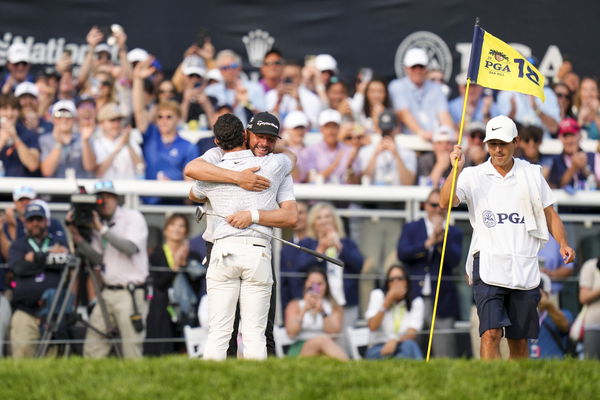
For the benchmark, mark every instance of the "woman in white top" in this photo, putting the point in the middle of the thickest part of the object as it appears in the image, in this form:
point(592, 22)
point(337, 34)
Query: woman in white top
point(589, 294)
point(313, 319)
point(394, 319)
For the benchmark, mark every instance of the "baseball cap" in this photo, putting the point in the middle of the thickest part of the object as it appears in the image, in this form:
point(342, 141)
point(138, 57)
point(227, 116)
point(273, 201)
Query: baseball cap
point(476, 126)
point(22, 192)
point(34, 210)
point(104, 187)
point(215, 75)
point(330, 115)
point(137, 55)
point(325, 62)
point(264, 123)
point(387, 120)
point(44, 206)
point(109, 111)
point(568, 126)
point(67, 105)
point(193, 69)
point(102, 47)
point(415, 56)
point(18, 52)
point(444, 134)
point(26, 88)
point(295, 119)
point(501, 128)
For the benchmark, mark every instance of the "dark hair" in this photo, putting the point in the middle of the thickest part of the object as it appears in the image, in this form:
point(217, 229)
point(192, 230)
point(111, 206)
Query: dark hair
point(148, 86)
point(569, 113)
point(336, 81)
point(386, 284)
point(273, 51)
point(176, 216)
point(8, 100)
point(386, 100)
point(293, 63)
point(527, 132)
point(229, 131)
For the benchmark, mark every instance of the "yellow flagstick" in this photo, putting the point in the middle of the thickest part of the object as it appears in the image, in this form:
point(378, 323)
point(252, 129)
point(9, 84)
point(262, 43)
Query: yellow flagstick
point(454, 172)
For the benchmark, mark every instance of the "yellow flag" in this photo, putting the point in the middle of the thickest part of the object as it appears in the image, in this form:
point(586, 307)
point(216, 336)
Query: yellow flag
point(496, 65)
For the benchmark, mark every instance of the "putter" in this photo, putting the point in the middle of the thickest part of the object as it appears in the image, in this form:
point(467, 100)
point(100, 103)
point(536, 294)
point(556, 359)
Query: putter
point(201, 212)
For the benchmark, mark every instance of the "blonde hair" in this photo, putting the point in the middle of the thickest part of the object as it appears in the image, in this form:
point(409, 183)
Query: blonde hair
point(170, 105)
point(312, 217)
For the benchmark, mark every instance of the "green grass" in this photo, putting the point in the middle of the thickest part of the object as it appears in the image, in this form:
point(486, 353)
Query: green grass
point(180, 378)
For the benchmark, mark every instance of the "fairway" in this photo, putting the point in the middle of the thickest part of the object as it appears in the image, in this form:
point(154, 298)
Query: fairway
point(181, 378)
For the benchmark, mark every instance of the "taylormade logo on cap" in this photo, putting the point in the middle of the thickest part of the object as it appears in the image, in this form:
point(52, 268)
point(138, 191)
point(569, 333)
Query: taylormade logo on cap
point(259, 123)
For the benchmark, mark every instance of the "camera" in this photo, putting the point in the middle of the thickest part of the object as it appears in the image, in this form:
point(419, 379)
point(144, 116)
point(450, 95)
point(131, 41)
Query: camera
point(83, 205)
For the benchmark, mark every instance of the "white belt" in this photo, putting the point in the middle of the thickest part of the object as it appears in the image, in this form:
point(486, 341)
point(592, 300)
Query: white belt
point(256, 241)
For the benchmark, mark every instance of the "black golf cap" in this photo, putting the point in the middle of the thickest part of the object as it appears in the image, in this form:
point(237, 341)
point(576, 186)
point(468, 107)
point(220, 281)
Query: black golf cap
point(264, 123)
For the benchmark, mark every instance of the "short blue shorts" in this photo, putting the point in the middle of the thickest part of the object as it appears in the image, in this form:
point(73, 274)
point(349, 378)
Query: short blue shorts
point(511, 309)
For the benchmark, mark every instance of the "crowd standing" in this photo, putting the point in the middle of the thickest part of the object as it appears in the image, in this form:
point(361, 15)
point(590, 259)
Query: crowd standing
point(121, 116)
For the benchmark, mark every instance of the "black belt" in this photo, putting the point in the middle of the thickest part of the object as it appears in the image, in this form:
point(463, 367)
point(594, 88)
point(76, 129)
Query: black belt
point(122, 287)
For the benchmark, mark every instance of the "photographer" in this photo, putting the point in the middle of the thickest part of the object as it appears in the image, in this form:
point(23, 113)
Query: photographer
point(118, 245)
point(36, 261)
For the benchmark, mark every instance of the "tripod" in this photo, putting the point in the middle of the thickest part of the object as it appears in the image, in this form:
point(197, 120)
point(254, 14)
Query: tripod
point(54, 320)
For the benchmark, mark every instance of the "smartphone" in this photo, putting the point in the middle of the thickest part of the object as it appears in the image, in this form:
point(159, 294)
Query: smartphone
point(366, 74)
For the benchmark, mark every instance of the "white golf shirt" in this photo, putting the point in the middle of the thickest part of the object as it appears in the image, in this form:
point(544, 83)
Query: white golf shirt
point(508, 253)
point(284, 193)
point(227, 199)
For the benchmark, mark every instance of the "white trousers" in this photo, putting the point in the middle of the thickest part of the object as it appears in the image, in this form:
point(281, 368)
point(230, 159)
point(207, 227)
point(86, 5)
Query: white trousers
point(240, 268)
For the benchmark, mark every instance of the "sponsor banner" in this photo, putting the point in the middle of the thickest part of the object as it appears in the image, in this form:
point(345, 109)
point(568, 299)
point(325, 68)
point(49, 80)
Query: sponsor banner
point(357, 33)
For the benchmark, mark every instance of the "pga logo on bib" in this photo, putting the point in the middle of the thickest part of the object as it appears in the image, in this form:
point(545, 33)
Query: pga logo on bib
point(490, 219)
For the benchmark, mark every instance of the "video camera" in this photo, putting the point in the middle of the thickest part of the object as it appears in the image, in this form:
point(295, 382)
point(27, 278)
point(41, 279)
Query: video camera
point(82, 205)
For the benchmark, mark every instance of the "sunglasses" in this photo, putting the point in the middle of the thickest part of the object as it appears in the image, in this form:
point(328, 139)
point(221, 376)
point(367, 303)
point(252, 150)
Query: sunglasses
point(35, 219)
point(62, 114)
point(230, 66)
point(563, 95)
point(477, 135)
point(536, 140)
point(397, 278)
point(270, 63)
point(168, 116)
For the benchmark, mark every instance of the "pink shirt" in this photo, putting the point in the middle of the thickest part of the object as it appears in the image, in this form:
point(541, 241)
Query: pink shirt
point(119, 268)
point(319, 157)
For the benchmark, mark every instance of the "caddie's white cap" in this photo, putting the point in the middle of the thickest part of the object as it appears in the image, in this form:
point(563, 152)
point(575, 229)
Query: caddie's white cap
point(295, 119)
point(330, 115)
point(501, 128)
point(415, 56)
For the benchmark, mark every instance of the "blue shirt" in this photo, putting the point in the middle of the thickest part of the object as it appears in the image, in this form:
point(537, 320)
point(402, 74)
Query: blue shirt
point(424, 103)
point(10, 159)
point(525, 113)
point(550, 253)
point(545, 346)
point(455, 107)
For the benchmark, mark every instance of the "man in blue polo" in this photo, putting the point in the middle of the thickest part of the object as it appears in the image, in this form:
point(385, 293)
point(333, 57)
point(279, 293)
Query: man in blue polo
point(511, 211)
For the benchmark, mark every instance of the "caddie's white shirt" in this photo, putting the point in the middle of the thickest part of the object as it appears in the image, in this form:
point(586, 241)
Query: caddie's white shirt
point(227, 199)
point(386, 170)
point(213, 156)
point(508, 253)
point(397, 320)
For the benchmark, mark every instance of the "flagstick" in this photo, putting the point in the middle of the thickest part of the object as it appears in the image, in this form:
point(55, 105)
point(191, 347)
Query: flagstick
point(454, 172)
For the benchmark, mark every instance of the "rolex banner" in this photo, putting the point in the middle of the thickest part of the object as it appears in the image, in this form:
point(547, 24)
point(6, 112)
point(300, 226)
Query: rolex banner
point(496, 65)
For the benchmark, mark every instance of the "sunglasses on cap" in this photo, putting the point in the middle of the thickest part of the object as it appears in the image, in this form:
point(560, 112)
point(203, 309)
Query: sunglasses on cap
point(230, 66)
point(62, 114)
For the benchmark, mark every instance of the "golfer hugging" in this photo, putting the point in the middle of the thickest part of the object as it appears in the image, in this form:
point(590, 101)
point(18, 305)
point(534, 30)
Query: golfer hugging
point(240, 260)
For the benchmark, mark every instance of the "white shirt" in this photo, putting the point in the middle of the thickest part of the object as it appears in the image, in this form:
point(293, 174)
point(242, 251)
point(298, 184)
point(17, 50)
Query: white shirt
point(397, 320)
point(122, 166)
point(311, 104)
point(386, 170)
point(312, 322)
point(508, 253)
point(213, 156)
point(227, 199)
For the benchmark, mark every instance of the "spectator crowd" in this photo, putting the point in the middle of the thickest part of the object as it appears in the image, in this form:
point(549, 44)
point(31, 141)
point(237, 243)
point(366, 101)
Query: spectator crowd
point(121, 116)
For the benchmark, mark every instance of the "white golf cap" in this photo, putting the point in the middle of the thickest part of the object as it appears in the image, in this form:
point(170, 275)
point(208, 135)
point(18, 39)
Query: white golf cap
point(67, 105)
point(102, 47)
point(26, 88)
point(137, 55)
point(444, 134)
point(415, 56)
point(501, 128)
point(193, 70)
point(325, 62)
point(330, 115)
point(23, 192)
point(18, 52)
point(215, 75)
point(295, 119)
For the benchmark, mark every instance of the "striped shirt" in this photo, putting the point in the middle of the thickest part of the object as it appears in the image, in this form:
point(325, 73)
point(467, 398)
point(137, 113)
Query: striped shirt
point(227, 199)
